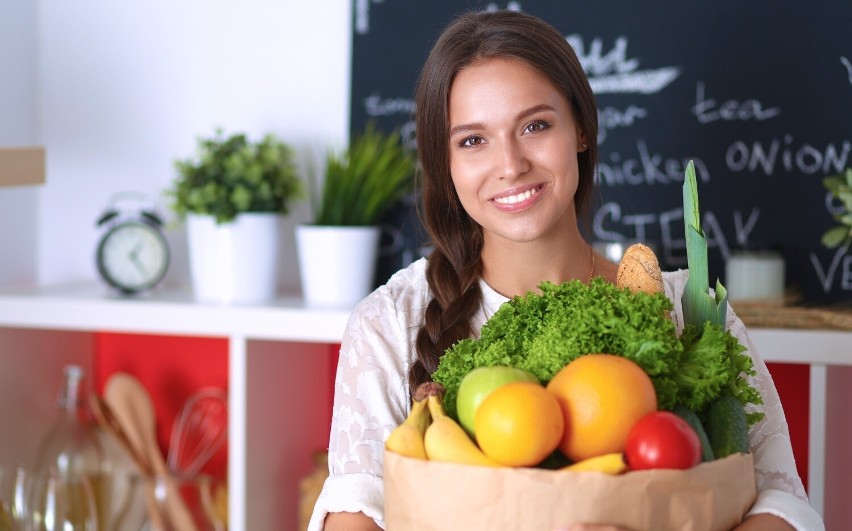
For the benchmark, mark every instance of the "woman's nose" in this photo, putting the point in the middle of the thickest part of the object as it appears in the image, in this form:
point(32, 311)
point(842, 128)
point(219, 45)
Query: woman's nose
point(514, 161)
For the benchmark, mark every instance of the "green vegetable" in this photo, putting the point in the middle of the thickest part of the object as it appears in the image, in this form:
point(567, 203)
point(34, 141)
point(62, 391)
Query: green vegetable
point(543, 332)
point(704, 317)
point(714, 363)
point(699, 306)
point(727, 427)
point(692, 419)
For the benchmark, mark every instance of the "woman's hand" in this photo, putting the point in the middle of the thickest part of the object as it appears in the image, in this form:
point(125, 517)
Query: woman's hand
point(350, 522)
point(592, 527)
point(764, 522)
point(757, 522)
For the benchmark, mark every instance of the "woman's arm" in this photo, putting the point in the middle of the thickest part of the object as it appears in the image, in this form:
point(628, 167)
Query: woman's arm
point(350, 522)
point(764, 522)
point(370, 400)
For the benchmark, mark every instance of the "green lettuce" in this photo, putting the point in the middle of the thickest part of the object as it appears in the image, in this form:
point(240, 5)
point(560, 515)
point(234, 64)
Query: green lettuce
point(543, 332)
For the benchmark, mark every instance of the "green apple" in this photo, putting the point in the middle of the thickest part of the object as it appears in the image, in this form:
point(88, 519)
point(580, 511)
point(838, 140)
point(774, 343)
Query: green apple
point(478, 384)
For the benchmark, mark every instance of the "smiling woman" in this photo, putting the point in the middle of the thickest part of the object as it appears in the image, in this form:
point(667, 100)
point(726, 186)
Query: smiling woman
point(507, 143)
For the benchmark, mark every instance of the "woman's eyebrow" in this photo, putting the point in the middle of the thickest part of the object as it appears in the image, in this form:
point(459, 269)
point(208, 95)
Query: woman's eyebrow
point(521, 115)
point(535, 109)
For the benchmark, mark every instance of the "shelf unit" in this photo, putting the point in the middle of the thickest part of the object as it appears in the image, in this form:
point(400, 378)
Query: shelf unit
point(273, 360)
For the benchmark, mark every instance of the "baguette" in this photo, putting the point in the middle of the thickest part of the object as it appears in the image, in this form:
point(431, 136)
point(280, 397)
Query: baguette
point(639, 270)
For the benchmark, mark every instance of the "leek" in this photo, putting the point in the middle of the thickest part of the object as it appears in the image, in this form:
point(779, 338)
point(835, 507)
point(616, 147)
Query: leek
point(699, 306)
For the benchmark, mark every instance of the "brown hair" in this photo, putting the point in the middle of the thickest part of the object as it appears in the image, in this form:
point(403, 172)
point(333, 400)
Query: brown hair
point(455, 264)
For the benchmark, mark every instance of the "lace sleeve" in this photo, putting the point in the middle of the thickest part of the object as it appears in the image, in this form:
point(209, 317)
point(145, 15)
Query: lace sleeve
point(371, 393)
point(779, 487)
point(370, 399)
point(769, 438)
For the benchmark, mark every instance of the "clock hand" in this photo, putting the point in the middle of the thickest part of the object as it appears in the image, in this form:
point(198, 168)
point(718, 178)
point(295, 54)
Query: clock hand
point(139, 265)
point(136, 250)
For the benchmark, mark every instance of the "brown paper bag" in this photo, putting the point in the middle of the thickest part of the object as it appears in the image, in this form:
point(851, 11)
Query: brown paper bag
point(434, 496)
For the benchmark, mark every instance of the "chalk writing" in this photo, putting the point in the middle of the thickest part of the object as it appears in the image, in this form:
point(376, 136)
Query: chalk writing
point(839, 263)
point(706, 110)
point(744, 229)
point(612, 118)
point(804, 158)
point(848, 66)
point(613, 73)
point(670, 225)
point(834, 205)
point(362, 17)
point(511, 6)
point(375, 105)
point(646, 169)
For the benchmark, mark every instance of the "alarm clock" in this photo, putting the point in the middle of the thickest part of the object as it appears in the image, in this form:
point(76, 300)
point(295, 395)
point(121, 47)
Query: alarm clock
point(132, 254)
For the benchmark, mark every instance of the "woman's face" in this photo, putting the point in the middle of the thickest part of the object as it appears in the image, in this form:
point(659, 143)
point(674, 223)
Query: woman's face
point(513, 151)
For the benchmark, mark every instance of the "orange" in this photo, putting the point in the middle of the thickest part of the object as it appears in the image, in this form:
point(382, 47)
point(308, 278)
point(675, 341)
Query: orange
point(518, 424)
point(602, 396)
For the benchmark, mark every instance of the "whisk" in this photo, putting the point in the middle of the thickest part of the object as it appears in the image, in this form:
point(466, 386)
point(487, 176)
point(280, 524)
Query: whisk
point(199, 431)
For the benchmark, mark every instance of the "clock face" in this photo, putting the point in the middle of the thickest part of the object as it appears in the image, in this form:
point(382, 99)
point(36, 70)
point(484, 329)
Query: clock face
point(133, 256)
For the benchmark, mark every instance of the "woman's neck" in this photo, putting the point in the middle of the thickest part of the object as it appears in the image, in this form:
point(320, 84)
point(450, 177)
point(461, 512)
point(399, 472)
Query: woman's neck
point(513, 268)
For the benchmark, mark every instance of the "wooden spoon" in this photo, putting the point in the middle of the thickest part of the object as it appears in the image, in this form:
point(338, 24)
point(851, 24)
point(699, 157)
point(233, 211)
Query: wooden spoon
point(111, 424)
point(132, 406)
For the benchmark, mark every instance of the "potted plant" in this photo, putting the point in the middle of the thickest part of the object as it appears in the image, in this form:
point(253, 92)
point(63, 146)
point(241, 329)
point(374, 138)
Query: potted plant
point(840, 187)
point(338, 251)
point(233, 194)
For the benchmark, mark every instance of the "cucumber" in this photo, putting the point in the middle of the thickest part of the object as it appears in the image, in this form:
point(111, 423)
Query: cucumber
point(692, 419)
point(727, 427)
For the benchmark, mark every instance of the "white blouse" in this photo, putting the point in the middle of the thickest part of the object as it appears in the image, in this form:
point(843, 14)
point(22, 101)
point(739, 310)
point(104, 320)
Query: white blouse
point(371, 399)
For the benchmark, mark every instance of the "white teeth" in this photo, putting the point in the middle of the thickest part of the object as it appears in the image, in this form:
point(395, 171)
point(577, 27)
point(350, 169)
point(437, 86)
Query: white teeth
point(512, 199)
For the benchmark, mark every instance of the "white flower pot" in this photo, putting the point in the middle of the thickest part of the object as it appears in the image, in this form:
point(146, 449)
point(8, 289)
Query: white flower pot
point(337, 265)
point(235, 262)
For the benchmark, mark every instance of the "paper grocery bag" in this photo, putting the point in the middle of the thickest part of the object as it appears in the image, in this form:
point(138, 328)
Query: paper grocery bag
point(430, 496)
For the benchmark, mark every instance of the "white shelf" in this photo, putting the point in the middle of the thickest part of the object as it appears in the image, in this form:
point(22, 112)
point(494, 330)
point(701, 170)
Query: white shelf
point(277, 361)
point(91, 307)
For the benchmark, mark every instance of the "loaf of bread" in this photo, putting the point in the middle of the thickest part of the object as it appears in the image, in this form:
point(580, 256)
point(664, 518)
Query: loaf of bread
point(639, 270)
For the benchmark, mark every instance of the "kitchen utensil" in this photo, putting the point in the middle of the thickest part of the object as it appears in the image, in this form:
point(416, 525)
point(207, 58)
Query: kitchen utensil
point(106, 418)
point(134, 410)
point(199, 431)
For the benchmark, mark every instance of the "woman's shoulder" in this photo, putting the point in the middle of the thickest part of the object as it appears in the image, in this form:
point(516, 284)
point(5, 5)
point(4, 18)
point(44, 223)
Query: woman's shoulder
point(405, 291)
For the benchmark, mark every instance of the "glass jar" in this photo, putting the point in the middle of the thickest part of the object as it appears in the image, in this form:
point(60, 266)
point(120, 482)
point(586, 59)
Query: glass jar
point(70, 452)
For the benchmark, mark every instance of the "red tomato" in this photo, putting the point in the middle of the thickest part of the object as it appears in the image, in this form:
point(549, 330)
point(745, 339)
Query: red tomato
point(662, 440)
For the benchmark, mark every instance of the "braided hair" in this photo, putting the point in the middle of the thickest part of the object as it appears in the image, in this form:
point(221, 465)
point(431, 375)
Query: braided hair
point(455, 263)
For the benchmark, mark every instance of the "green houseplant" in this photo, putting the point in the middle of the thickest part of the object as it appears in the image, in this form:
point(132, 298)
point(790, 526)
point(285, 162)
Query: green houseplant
point(840, 187)
point(339, 250)
point(231, 174)
point(233, 195)
point(363, 181)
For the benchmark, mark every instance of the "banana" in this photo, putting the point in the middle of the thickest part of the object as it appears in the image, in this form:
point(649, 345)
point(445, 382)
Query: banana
point(407, 438)
point(446, 440)
point(608, 464)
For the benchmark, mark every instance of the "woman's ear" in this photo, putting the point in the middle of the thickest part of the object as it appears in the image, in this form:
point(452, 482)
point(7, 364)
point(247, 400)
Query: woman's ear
point(582, 143)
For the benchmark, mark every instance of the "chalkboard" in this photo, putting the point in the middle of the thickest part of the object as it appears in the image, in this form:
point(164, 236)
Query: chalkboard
point(758, 93)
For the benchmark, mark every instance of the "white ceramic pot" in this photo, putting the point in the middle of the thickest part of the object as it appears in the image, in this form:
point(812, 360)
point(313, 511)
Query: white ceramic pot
point(337, 265)
point(236, 261)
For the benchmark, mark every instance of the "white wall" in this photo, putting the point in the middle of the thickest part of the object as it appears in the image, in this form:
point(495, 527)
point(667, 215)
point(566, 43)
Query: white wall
point(124, 88)
point(18, 220)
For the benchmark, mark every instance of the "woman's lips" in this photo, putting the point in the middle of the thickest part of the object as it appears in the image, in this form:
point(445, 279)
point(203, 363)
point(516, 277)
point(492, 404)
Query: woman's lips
point(518, 199)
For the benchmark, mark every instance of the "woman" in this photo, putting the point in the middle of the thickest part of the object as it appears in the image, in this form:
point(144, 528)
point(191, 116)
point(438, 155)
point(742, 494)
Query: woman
point(507, 128)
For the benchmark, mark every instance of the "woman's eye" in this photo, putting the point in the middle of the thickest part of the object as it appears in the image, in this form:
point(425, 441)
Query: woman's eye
point(536, 126)
point(471, 141)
